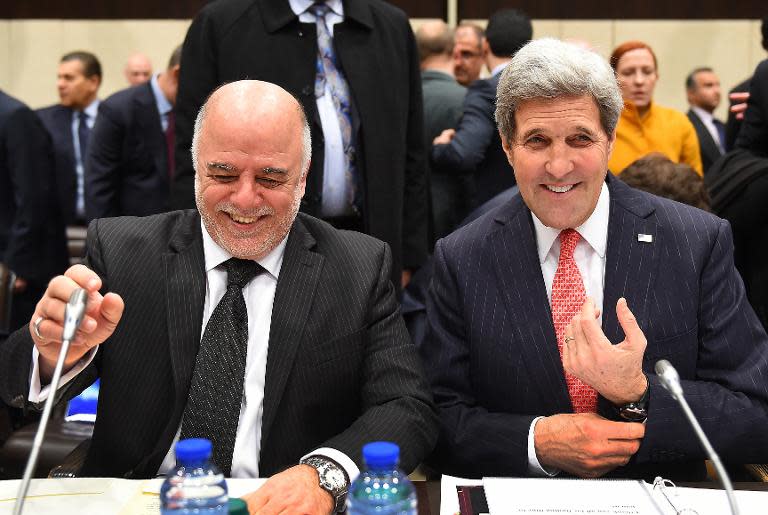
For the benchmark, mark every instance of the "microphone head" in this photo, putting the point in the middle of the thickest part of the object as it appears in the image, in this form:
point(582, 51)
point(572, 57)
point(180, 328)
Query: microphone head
point(669, 378)
point(73, 313)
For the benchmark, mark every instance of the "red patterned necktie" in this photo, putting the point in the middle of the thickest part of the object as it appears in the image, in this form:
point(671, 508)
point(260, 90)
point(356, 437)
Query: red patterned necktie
point(568, 296)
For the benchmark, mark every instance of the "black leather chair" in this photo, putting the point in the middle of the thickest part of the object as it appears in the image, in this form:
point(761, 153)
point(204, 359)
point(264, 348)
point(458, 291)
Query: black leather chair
point(62, 438)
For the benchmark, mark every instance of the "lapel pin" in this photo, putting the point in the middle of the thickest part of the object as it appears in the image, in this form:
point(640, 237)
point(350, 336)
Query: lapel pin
point(645, 238)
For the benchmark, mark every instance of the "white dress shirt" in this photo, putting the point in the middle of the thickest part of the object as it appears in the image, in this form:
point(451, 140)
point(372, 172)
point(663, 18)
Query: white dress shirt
point(335, 188)
point(163, 105)
point(590, 259)
point(90, 112)
point(259, 295)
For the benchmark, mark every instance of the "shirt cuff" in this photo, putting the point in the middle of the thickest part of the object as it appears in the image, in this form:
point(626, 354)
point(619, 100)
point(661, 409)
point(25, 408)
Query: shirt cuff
point(339, 457)
point(39, 394)
point(534, 467)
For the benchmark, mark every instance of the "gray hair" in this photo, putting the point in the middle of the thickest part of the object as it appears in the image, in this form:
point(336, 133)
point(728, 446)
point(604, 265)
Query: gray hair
point(550, 68)
point(306, 137)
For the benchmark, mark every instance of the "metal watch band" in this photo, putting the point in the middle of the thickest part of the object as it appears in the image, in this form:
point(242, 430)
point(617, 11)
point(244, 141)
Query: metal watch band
point(333, 478)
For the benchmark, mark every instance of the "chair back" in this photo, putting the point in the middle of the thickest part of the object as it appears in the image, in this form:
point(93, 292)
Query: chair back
point(7, 279)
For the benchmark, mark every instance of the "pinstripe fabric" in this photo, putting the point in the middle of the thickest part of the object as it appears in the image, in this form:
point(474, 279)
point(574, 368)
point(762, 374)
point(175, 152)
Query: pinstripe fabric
point(491, 351)
point(341, 370)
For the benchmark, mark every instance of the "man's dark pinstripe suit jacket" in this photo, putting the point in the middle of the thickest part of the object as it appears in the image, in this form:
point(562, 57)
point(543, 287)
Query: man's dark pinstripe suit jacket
point(341, 368)
point(492, 356)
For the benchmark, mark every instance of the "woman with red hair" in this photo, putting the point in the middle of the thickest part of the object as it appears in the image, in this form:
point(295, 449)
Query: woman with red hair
point(645, 126)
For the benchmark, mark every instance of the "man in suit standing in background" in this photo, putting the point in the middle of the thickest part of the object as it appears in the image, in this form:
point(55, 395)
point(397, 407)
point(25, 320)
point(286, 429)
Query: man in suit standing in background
point(468, 54)
point(130, 156)
point(528, 301)
point(702, 87)
point(474, 146)
point(355, 68)
point(32, 242)
point(443, 98)
point(138, 69)
point(268, 332)
point(69, 123)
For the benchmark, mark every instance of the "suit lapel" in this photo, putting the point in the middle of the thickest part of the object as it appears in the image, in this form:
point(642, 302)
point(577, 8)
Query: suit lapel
point(185, 292)
point(64, 123)
point(631, 264)
point(517, 268)
point(148, 120)
point(299, 277)
point(707, 145)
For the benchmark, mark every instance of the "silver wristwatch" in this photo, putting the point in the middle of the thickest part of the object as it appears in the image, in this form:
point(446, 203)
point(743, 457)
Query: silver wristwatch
point(333, 479)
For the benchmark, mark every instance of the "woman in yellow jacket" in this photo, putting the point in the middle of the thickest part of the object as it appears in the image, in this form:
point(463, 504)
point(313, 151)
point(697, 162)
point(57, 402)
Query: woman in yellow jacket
point(645, 126)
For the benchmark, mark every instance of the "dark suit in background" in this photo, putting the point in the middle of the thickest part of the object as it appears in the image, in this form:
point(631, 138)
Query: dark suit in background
point(753, 135)
point(733, 125)
point(32, 241)
point(492, 354)
point(126, 169)
point(476, 146)
point(57, 120)
point(341, 370)
point(236, 39)
point(443, 100)
point(709, 149)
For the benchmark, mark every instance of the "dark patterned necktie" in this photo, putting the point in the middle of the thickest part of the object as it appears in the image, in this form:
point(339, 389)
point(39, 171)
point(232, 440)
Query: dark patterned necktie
point(82, 134)
point(327, 71)
point(216, 392)
point(720, 134)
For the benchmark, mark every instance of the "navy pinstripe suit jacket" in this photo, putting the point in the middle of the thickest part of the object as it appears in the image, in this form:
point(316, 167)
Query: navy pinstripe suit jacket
point(341, 368)
point(492, 357)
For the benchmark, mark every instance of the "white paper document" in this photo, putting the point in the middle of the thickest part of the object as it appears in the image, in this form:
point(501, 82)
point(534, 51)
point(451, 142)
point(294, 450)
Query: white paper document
point(566, 496)
point(515, 496)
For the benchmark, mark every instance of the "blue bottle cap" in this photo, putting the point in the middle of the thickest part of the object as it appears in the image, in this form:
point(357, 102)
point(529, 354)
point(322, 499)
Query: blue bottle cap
point(193, 449)
point(381, 454)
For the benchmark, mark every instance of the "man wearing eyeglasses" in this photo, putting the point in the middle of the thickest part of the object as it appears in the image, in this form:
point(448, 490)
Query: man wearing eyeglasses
point(468, 53)
point(474, 147)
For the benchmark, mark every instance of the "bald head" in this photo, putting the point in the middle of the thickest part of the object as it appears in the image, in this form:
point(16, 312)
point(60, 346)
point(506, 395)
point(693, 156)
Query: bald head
point(435, 41)
point(138, 69)
point(251, 154)
point(255, 104)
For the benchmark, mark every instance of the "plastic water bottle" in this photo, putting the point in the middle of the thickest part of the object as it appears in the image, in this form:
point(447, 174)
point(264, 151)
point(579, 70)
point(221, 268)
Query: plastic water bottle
point(382, 488)
point(195, 486)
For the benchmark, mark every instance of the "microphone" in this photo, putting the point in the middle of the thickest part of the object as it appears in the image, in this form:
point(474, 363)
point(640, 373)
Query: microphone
point(73, 317)
point(670, 380)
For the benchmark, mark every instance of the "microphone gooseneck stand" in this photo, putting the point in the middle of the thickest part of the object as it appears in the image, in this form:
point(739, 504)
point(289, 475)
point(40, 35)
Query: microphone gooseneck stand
point(670, 380)
point(73, 316)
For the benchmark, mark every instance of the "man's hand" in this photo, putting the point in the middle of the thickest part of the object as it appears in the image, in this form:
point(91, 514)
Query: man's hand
point(615, 371)
point(444, 138)
point(740, 103)
point(296, 490)
point(585, 444)
point(101, 317)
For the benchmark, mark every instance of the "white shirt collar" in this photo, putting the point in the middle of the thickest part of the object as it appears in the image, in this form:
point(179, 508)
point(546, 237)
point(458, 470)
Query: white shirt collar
point(594, 230)
point(300, 6)
point(702, 114)
point(215, 255)
point(498, 69)
point(91, 110)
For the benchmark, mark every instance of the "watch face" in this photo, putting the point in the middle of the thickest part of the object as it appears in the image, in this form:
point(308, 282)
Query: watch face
point(335, 477)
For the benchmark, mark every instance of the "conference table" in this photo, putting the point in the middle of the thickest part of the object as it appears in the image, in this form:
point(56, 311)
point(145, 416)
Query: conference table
point(428, 492)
